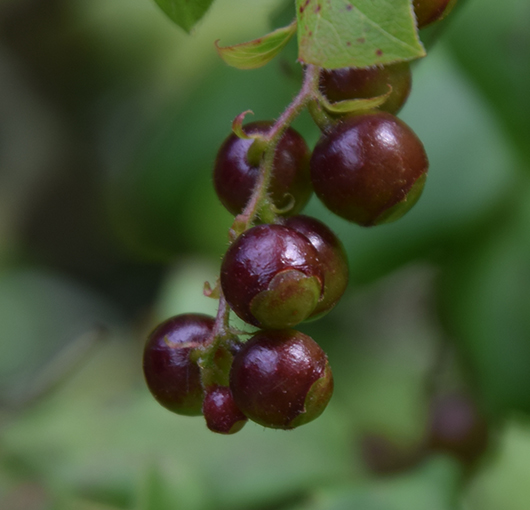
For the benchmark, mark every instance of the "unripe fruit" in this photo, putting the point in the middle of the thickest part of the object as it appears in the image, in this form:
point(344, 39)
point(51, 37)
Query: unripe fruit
point(235, 176)
point(281, 379)
point(220, 411)
point(458, 428)
point(369, 169)
point(173, 379)
point(429, 11)
point(350, 83)
point(333, 260)
point(271, 277)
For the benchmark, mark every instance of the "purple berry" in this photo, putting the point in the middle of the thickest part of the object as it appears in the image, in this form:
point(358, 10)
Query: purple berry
point(281, 379)
point(173, 379)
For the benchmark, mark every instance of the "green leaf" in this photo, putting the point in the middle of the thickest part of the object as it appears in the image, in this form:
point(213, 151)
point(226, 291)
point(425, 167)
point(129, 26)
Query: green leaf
point(257, 53)
point(356, 33)
point(185, 13)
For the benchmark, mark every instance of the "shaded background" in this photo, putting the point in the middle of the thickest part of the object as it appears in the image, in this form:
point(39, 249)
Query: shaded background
point(110, 119)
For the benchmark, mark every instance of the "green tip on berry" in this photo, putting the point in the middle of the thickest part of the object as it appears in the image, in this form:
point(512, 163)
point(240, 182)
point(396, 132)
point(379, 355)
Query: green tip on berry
point(316, 400)
point(398, 210)
point(289, 299)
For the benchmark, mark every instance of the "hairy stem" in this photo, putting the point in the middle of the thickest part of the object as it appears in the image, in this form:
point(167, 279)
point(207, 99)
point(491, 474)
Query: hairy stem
point(258, 205)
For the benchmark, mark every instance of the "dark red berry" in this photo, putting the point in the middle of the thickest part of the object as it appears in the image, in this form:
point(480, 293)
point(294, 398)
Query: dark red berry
point(271, 277)
point(220, 411)
point(429, 11)
point(350, 83)
point(281, 379)
point(173, 379)
point(384, 457)
point(235, 176)
point(369, 169)
point(458, 428)
point(332, 256)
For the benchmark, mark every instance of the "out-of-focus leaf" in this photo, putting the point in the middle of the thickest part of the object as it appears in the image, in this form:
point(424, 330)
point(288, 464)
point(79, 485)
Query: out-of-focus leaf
point(163, 202)
point(432, 486)
point(105, 430)
point(340, 33)
point(491, 41)
point(487, 302)
point(503, 481)
point(185, 13)
point(163, 488)
point(257, 53)
point(41, 313)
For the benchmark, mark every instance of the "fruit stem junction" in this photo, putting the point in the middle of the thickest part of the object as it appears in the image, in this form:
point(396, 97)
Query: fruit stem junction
point(258, 205)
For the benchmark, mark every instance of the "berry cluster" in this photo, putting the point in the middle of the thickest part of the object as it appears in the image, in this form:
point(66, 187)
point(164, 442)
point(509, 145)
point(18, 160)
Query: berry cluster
point(283, 268)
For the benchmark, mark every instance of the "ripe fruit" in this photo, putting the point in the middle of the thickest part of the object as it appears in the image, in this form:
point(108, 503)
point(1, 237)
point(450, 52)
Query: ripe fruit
point(369, 169)
point(458, 428)
point(332, 257)
point(173, 379)
point(429, 11)
point(235, 176)
point(271, 277)
point(281, 379)
point(350, 83)
point(384, 456)
point(220, 411)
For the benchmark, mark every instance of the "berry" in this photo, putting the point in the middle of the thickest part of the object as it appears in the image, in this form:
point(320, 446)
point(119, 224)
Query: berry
point(369, 169)
point(281, 379)
point(220, 411)
point(429, 11)
point(173, 379)
point(384, 456)
point(235, 177)
point(350, 83)
point(271, 277)
point(332, 256)
point(458, 428)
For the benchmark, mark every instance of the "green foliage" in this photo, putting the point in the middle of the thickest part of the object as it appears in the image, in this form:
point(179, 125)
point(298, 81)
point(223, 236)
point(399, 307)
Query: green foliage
point(491, 42)
point(185, 13)
point(486, 299)
point(258, 52)
point(337, 33)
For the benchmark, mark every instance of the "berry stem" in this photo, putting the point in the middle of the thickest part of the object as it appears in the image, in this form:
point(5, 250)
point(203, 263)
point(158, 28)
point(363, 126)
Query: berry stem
point(259, 203)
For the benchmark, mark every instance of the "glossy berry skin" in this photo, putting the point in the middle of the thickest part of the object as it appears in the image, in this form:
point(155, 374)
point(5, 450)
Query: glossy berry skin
point(271, 277)
point(429, 11)
point(220, 411)
point(235, 177)
point(281, 379)
point(349, 83)
point(369, 169)
point(173, 379)
point(332, 256)
point(458, 428)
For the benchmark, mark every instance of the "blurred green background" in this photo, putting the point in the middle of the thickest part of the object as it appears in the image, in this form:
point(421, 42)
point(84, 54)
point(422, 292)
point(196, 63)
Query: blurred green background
point(110, 119)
